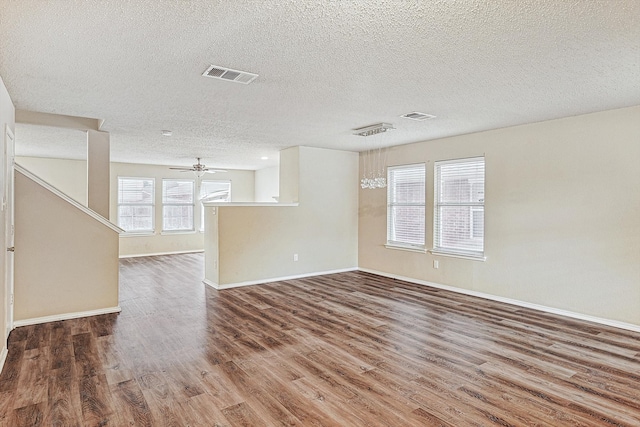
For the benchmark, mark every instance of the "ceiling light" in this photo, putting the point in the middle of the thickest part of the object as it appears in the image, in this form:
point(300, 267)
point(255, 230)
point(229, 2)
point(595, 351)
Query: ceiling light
point(417, 116)
point(373, 129)
point(264, 158)
point(167, 133)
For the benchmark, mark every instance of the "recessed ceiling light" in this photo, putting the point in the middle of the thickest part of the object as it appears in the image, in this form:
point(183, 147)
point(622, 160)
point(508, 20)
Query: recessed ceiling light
point(417, 116)
point(167, 133)
point(373, 129)
point(264, 158)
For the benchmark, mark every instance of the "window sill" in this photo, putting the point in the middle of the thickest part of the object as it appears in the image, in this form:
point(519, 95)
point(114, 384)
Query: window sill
point(137, 234)
point(472, 257)
point(169, 233)
point(406, 248)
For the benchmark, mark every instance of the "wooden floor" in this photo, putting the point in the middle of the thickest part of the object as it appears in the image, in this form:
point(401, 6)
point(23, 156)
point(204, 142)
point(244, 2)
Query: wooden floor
point(349, 349)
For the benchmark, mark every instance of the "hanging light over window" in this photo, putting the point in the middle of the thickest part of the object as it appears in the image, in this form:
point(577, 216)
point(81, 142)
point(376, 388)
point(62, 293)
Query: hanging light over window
point(374, 174)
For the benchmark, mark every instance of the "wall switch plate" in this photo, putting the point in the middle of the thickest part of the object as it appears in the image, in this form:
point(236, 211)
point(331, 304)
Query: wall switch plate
point(295, 257)
point(436, 263)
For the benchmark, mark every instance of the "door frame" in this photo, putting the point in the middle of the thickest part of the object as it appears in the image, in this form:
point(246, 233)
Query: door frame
point(8, 208)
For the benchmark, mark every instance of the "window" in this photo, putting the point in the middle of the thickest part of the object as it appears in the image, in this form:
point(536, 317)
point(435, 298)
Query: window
point(405, 206)
point(135, 204)
point(213, 191)
point(177, 204)
point(459, 207)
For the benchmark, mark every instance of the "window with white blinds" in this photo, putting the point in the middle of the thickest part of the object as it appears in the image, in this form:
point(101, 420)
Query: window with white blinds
point(136, 204)
point(459, 207)
point(213, 191)
point(406, 206)
point(177, 204)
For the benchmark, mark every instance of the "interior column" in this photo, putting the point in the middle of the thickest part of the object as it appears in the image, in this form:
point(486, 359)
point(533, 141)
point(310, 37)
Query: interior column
point(98, 177)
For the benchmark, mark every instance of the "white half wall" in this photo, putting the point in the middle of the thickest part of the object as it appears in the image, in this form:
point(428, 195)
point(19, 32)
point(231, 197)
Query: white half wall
point(258, 243)
point(562, 215)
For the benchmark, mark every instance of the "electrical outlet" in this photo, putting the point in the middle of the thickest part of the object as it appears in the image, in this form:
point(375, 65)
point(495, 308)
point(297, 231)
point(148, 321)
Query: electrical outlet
point(295, 257)
point(436, 263)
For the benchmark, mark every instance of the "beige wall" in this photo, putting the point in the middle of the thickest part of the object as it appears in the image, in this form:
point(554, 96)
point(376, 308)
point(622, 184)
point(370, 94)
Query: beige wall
point(267, 184)
point(70, 177)
point(65, 261)
point(7, 118)
point(258, 243)
point(562, 215)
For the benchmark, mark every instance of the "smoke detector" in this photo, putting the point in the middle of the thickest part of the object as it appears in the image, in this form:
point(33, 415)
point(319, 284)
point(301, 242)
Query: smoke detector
point(223, 73)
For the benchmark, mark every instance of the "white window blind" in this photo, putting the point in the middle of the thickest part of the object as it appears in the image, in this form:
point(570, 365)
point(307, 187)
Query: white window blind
point(177, 204)
point(213, 191)
point(136, 204)
point(459, 207)
point(406, 206)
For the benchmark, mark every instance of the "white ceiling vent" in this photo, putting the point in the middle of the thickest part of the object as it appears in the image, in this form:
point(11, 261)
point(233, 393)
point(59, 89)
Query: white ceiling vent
point(222, 73)
point(417, 116)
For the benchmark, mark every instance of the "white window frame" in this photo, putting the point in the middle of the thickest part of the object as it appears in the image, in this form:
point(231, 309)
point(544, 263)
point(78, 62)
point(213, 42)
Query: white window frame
point(152, 205)
point(166, 204)
point(473, 206)
point(201, 196)
point(393, 242)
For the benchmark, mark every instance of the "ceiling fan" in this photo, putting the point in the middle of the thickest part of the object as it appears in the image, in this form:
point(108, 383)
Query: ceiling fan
point(199, 169)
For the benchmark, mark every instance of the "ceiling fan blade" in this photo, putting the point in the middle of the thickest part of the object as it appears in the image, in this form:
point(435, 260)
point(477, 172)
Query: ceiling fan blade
point(215, 170)
point(182, 169)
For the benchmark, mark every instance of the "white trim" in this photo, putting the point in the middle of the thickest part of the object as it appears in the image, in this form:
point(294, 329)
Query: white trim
point(552, 310)
point(457, 255)
point(128, 234)
point(208, 282)
point(250, 204)
point(66, 316)
point(193, 251)
point(175, 232)
point(68, 199)
point(3, 357)
point(274, 279)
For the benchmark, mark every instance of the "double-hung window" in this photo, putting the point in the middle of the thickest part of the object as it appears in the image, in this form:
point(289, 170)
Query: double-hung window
point(459, 207)
point(213, 191)
point(177, 204)
point(136, 204)
point(406, 206)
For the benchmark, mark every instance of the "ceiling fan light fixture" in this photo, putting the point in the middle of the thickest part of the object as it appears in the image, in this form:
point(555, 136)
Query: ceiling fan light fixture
point(373, 129)
point(198, 169)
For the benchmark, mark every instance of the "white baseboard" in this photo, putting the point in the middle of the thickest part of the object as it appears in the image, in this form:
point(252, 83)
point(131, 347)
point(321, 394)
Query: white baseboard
point(195, 251)
point(274, 279)
point(565, 313)
point(66, 316)
point(3, 357)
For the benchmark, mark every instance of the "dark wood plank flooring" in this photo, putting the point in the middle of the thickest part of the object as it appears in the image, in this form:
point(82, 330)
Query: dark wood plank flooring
point(350, 349)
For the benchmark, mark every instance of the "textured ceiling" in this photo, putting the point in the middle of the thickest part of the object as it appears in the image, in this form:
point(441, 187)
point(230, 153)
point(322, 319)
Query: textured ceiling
point(325, 67)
